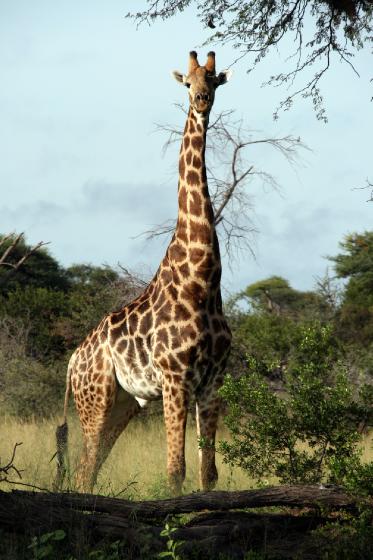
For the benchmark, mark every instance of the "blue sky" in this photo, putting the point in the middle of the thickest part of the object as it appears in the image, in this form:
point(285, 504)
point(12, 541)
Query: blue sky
point(81, 165)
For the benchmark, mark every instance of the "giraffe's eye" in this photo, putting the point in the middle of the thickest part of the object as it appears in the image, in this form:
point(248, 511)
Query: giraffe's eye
point(187, 85)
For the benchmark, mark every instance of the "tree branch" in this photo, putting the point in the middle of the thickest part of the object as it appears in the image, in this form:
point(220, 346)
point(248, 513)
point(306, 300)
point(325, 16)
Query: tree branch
point(230, 173)
point(16, 239)
point(255, 28)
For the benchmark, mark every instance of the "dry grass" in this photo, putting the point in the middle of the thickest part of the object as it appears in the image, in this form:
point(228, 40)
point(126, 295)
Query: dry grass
point(135, 468)
point(136, 465)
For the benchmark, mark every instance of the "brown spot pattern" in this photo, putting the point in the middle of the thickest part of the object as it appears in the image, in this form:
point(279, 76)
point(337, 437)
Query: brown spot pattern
point(188, 157)
point(197, 142)
point(182, 167)
point(201, 233)
point(175, 325)
point(196, 162)
point(195, 206)
point(192, 178)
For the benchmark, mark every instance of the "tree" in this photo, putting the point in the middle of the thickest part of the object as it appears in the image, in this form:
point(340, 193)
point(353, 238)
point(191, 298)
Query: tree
point(36, 310)
point(275, 295)
point(355, 263)
point(267, 320)
point(229, 173)
point(94, 291)
point(254, 27)
point(22, 265)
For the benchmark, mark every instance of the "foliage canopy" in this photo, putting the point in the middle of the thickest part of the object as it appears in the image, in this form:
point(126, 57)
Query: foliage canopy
point(319, 29)
point(355, 263)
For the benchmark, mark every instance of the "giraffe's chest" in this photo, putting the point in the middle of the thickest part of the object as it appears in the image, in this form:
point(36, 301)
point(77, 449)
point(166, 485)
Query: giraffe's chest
point(190, 351)
point(135, 371)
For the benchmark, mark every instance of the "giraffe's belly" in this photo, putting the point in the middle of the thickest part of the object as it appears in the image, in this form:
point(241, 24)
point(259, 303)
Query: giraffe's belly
point(143, 381)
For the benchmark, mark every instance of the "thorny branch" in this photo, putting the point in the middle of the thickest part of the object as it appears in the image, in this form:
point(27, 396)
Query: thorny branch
point(320, 30)
point(10, 467)
point(134, 282)
point(230, 174)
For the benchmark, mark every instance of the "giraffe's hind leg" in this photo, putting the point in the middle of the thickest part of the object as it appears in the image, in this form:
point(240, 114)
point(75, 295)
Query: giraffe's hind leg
point(207, 415)
point(100, 433)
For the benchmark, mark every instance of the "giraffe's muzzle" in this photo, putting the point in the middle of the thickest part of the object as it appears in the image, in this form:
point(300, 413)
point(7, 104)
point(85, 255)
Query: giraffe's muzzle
point(202, 101)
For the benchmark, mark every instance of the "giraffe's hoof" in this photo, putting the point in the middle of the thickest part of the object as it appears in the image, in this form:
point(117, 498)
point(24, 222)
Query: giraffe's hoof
point(175, 483)
point(209, 479)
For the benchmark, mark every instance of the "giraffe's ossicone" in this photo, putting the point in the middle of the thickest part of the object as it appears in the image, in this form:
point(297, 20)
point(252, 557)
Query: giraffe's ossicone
point(173, 340)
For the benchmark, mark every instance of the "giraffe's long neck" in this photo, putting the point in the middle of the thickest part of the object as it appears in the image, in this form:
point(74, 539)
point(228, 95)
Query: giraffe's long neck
point(195, 229)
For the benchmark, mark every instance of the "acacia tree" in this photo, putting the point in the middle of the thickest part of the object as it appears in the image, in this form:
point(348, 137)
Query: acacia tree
point(319, 30)
point(230, 173)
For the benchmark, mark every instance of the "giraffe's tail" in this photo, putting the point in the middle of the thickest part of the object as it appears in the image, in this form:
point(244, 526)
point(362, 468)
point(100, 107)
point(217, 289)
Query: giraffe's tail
point(62, 437)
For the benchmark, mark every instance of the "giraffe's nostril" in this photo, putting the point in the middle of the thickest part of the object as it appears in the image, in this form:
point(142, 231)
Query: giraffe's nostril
point(202, 97)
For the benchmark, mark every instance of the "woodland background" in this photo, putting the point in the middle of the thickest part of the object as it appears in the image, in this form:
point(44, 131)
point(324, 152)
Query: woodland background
point(46, 310)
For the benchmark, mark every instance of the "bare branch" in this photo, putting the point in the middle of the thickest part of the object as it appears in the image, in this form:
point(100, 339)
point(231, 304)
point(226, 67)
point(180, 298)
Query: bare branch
point(368, 186)
point(129, 286)
point(230, 174)
point(10, 467)
point(166, 228)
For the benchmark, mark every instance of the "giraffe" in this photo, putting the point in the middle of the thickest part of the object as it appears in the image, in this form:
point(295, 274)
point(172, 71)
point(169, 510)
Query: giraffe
point(173, 340)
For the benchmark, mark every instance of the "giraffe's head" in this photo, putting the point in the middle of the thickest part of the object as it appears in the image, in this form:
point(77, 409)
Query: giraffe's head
point(202, 82)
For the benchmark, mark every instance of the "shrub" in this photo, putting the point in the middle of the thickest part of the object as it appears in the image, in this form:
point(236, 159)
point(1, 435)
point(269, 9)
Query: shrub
point(31, 389)
point(28, 387)
point(38, 310)
point(309, 433)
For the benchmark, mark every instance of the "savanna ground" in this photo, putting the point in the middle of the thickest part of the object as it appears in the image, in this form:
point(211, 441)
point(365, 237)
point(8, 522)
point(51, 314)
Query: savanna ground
point(136, 470)
point(300, 374)
point(136, 467)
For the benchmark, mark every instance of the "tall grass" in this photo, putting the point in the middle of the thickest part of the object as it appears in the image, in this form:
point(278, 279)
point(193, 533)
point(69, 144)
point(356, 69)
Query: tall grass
point(136, 467)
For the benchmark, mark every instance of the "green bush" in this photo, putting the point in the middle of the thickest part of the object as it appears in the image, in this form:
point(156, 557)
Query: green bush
point(29, 388)
point(38, 309)
point(351, 539)
point(267, 338)
point(309, 433)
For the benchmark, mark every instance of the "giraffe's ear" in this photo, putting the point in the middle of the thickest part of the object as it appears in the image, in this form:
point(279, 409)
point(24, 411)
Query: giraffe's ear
point(223, 77)
point(179, 77)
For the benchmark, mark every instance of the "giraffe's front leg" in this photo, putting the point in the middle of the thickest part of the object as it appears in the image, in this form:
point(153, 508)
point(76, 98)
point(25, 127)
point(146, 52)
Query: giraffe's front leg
point(207, 414)
point(175, 406)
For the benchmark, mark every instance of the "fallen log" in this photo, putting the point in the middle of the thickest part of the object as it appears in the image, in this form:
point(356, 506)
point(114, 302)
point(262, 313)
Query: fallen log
point(303, 496)
point(216, 531)
point(231, 533)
